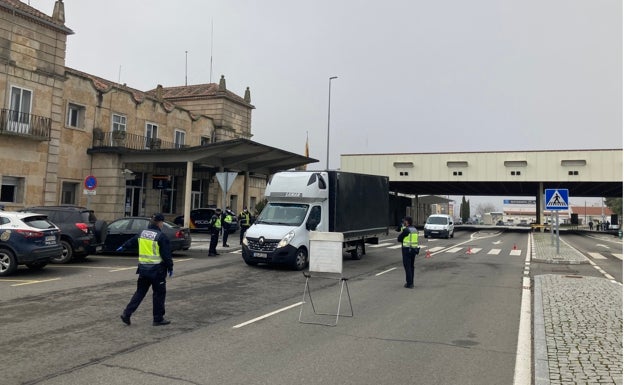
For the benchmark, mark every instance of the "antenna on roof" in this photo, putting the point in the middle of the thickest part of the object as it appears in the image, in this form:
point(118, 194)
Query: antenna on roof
point(185, 68)
point(211, 45)
point(119, 75)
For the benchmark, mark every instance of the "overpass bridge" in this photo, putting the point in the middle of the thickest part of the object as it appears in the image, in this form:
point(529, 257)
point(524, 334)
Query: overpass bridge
point(585, 173)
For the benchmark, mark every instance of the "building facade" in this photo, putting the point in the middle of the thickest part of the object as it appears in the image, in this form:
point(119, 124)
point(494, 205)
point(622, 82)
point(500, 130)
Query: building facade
point(141, 152)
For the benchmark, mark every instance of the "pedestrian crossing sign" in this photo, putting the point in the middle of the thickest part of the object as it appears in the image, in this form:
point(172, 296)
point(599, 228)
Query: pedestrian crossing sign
point(556, 199)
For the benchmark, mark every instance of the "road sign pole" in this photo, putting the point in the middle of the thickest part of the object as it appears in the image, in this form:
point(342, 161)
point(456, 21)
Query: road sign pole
point(557, 220)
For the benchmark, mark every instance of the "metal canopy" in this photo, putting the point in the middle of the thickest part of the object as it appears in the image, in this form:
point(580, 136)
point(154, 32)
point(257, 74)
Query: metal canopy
point(236, 154)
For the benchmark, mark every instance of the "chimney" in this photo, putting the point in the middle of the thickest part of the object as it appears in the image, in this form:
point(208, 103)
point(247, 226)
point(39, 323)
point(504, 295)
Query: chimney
point(59, 12)
point(159, 92)
point(248, 95)
point(222, 84)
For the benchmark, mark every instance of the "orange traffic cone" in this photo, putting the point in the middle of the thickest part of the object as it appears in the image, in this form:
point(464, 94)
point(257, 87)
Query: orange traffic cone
point(428, 255)
point(469, 250)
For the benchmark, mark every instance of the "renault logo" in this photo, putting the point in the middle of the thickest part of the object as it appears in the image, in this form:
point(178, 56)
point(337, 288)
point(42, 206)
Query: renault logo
point(261, 241)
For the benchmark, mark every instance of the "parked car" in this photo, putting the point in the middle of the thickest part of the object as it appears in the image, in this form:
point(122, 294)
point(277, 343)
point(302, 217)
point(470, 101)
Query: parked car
point(27, 239)
point(120, 230)
point(200, 220)
point(81, 232)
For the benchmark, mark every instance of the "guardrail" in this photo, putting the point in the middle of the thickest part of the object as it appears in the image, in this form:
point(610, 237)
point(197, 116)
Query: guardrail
point(25, 125)
point(131, 141)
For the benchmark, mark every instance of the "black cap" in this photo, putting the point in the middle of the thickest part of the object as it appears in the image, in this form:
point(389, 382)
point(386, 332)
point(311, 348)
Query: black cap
point(158, 217)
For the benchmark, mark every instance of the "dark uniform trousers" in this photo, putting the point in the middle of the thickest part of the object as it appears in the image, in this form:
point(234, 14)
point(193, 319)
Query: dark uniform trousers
point(157, 280)
point(409, 256)
point(214, 239)
point(243, 229)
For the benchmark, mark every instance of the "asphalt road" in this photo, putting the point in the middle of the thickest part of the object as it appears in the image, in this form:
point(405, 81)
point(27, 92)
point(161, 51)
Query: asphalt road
point(458, 326)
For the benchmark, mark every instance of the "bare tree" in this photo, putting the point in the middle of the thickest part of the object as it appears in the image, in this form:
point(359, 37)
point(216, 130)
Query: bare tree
point(483, 208)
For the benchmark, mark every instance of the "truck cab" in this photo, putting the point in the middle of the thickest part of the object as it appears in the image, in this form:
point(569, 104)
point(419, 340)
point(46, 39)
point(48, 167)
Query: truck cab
point(297, 203)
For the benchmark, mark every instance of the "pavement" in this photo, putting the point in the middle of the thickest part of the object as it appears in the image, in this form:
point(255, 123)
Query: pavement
point(577, 321)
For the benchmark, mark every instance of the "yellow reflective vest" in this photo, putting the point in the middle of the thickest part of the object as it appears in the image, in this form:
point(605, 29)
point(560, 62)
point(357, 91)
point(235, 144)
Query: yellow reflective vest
point(245, 218)
point(411, 239)
point(149, 251)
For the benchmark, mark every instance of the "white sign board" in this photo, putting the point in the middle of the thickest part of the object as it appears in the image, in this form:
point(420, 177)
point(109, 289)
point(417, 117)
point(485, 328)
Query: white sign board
point(88, 192)
point(326, 252)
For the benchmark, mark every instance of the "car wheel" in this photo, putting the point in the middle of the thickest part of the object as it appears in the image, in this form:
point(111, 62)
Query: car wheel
point(8, 263)
point(66, 256)
point(301, 259)
point(358, 252)
point(100, 231)
point(36, 265)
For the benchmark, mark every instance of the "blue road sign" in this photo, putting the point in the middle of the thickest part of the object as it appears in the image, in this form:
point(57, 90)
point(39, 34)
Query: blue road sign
point(556, 199)
point(90, 182)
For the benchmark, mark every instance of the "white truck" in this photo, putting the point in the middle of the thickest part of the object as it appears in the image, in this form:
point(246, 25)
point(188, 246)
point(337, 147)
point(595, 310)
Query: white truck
point(356, 205)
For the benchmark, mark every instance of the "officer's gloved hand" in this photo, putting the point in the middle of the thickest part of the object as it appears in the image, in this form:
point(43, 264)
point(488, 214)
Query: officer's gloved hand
point(120, 248)
point(170, 272)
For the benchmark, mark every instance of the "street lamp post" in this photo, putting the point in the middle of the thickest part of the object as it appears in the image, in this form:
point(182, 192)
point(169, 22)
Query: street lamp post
point(328, 119)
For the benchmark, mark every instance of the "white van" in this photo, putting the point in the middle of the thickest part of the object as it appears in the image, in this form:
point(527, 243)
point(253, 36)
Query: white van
point(439, 225)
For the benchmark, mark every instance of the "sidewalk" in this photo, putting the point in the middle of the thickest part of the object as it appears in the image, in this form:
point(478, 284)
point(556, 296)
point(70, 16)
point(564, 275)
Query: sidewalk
point(577, 322)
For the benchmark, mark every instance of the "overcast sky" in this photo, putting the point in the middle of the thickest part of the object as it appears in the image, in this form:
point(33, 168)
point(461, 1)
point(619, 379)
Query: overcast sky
point(413, 75)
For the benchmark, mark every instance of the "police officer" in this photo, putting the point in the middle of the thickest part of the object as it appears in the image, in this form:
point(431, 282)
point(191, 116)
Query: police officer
point(226, 222)
point(215, 229)
point(244, 220)
point(409, 249)
point(155, 260)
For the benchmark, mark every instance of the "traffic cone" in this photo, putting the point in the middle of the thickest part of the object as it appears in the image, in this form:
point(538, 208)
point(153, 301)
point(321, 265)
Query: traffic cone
point(428, 255)
point(515, 248)
point(469, 250)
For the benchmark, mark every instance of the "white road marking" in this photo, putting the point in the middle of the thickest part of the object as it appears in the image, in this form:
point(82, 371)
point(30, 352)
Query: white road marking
point(515, 252)
point(473, 250)
point(618, 256)
point(597, 256)
point(267, 315)
point(385, 271)
point(380, 245)
point(494, 251)
point(396, 246)
point(434, 249)
point(454, 249)
point(522, 371)
point(33, 282)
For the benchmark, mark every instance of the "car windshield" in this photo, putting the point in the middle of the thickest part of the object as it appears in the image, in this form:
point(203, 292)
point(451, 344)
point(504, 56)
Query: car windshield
point(437, 221)
point(289, 214)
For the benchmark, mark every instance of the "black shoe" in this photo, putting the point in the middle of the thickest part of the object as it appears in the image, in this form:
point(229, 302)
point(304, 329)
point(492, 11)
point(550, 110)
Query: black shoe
point(226, 245)
point(408, 286)
point(212, 254)
point(161, 322)
point(125, 319)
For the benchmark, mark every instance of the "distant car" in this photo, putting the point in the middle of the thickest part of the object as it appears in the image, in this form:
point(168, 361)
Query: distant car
point(200, 220)
point(81, 232)
point(500, 223)
point(439, 225)
point(120, 230)
point(27, 239)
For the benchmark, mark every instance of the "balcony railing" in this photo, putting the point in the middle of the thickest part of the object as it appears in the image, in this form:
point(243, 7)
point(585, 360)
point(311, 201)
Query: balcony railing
point(27, 125)
point(124, 139)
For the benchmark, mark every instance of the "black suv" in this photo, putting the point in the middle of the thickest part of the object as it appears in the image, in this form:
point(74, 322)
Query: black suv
point(81, 233)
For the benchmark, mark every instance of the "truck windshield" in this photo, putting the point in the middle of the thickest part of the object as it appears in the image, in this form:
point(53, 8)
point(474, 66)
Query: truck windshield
point(287, 214)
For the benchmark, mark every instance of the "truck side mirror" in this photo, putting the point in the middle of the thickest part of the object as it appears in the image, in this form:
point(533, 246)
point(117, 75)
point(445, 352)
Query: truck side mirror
point(311, 224)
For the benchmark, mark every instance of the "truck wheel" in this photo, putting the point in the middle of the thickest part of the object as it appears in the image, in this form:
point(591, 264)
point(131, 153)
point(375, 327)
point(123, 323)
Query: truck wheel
point(301, 259)
point(358, 252)
point(66, 256)
point(8, 263)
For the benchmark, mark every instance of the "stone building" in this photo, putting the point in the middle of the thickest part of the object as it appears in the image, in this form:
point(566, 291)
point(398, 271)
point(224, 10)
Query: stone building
point(161, 150)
